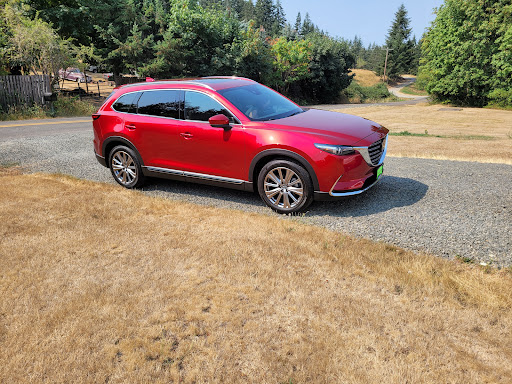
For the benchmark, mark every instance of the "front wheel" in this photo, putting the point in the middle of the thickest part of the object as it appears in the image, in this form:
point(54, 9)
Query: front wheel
point(125, 167)
point(285, 186)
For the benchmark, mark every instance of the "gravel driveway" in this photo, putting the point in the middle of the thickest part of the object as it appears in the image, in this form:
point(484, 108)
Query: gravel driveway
point(448, 208)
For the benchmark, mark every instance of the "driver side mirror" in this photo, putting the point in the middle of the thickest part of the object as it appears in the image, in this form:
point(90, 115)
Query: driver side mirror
point(219, 121)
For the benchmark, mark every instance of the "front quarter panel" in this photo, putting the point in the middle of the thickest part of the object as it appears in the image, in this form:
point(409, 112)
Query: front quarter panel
point(261, 139)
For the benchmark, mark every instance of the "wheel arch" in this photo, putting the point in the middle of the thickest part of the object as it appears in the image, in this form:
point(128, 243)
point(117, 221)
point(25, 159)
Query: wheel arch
point(112, 142)
point(265, 156)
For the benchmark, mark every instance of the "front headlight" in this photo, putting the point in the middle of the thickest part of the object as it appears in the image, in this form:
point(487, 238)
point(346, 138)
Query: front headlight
point(338, 150)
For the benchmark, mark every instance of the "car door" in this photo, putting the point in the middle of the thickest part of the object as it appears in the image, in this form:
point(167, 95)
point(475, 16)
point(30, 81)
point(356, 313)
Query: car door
point(155, 127)
point(209, 150)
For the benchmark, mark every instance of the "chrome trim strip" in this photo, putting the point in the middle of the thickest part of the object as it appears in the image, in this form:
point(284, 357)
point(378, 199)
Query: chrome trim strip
point(351, 193)
point(195, 175)
point(213, 178)
point(165, 170)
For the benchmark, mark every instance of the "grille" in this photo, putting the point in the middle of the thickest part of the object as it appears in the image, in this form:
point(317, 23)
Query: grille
point(375, 151)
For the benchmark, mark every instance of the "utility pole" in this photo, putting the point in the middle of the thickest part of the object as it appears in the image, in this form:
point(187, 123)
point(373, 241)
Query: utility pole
point(386, 63)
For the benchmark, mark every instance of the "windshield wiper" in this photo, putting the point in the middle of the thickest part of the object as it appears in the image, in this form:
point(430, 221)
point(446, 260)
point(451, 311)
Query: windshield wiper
point(296, 113)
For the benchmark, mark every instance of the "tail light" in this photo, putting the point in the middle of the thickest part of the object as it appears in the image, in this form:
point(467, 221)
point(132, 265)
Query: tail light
point(96, 116)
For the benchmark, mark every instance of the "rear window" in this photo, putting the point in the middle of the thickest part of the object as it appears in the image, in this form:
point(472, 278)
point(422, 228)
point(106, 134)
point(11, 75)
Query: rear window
point(127, 103)
point(165, 103)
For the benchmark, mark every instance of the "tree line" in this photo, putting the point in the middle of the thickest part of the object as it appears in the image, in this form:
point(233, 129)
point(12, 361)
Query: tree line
point(464, 56)
point(178, 38)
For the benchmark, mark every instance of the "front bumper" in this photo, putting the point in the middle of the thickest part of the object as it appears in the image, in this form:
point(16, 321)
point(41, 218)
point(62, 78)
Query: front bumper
point(334, 195)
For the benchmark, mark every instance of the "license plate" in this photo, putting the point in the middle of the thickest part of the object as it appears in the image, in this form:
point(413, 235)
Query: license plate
point(379, 171)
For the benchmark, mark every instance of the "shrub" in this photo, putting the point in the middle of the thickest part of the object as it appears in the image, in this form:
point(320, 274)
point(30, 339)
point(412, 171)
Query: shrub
point(359, 94)
point(64, 106)
point(73, 106)
point(501, 97)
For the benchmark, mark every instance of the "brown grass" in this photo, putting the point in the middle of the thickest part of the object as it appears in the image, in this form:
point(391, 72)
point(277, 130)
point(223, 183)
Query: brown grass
point(101, 284)
point(462, 126)
point(365, 77)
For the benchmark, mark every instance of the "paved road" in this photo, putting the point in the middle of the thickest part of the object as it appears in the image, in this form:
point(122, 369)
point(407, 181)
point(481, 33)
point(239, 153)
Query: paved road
point(396, 90)
point(446, 207)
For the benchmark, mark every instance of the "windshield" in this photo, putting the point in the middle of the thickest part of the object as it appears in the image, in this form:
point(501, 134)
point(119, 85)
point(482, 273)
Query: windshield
point(260, 103)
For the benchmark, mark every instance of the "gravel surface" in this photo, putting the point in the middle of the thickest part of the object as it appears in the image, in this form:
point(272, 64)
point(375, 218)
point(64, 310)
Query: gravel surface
point(447, 208)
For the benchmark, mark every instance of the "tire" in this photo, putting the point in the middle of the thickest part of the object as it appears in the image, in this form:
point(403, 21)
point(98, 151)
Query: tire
point(125, 167)
point(285, 186)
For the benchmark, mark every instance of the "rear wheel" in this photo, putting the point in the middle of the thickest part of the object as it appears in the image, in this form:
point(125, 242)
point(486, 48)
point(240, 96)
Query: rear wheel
point(125, 167)
point(285, 186)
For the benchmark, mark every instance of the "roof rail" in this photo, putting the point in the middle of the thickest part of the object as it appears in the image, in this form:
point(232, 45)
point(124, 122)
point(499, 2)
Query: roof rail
point(227, 77)
point(177, 81)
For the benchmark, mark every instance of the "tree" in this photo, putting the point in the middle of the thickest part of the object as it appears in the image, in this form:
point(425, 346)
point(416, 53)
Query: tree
point(291, 62)
point(328, 69)
point(298, 24)
point(253, 58)
point(4, 40)
point(197, 42)
point(265, 14)
point(307, 26)
point(33, 44)
point(401, 47)
point(279, 19)
point(467, 52)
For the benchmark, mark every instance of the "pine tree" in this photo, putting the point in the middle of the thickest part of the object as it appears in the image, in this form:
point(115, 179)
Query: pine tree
point(279, 19)
point(298, 24)
point(248, 12)
point(401, 47)
point(307, 26)
point(265, 14)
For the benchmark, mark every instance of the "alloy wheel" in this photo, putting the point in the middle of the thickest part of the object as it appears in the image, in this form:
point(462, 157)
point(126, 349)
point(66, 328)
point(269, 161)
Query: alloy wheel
point(284, 188)
point(124, 168)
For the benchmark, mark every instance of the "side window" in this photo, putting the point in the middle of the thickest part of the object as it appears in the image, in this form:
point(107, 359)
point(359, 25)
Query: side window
point(164, 103)
point(126, 103)
point(199, 106)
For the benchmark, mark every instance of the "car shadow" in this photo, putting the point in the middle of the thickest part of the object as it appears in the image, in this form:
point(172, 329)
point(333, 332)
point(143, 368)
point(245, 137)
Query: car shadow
point(391, 192)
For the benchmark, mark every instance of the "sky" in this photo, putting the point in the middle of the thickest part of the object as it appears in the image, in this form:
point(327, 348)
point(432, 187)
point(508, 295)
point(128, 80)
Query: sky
point(368, 19)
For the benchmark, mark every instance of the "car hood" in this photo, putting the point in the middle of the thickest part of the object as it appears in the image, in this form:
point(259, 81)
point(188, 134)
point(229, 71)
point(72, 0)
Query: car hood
point(338, 128)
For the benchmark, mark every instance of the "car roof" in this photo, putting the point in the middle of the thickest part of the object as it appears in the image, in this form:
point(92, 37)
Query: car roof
point(214, 83)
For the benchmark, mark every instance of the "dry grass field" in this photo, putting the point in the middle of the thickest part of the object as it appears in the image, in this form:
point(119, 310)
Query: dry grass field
point(365, 77)
point(103, 285)
point(98, 84)
point(471, 134)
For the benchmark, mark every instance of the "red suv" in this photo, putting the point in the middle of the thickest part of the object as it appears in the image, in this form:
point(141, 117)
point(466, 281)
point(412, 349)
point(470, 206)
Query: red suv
point(237, 133)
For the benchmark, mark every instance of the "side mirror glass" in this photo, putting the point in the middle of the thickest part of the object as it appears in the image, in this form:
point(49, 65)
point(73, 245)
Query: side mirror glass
point(219, 121)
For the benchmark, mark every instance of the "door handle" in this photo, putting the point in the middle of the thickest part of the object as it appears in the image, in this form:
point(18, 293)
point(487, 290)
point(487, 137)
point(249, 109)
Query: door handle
point(130, 126)
point(186, 135)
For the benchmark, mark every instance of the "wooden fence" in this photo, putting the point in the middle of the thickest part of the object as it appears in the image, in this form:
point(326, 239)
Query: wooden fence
point(23, 90)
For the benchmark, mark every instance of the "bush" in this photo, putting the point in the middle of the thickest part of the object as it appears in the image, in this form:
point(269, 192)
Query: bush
point(422, 80)
point(63, 107)
point(359, 94)
point(73, 106)
point(501, 98)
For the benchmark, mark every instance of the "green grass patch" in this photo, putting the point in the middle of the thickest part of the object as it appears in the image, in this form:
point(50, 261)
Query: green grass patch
point(63, 107)
point(378, 93)
point(412, 90)
point(457, 137)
